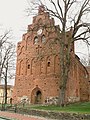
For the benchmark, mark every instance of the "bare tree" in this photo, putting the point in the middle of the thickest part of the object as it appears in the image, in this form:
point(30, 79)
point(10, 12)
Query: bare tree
point(8, 65)
point(7, 55)
point(71, 15)
point(3, 38)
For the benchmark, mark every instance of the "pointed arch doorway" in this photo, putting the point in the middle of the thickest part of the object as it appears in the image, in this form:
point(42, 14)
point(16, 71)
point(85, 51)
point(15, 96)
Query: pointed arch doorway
point(36, 96)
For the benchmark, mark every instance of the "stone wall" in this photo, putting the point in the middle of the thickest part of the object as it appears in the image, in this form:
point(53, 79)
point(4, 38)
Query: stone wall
point(51, 100)
point(55, 115)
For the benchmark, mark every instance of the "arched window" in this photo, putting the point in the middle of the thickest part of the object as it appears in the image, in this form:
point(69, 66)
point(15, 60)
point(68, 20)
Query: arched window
point(48, 64)
point(43, 39)
point(28, 66)
point(36, 40)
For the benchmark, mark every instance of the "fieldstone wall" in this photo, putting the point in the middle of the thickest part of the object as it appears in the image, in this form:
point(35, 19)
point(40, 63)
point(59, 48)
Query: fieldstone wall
point(55, 115)
point(73, 99)
point(51, 100)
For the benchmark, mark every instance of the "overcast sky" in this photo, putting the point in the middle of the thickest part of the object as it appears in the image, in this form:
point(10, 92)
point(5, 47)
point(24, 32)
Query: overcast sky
point(13, 16)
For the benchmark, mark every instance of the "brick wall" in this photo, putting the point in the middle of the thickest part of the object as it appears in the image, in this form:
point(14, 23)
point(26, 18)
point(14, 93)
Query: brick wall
point(38, 65)
point(88, 69)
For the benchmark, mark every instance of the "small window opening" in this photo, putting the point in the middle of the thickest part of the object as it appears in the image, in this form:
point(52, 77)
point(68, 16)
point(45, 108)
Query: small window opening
point(48, 64)
point(36, 40)
point(43, 38)
point(28, 66)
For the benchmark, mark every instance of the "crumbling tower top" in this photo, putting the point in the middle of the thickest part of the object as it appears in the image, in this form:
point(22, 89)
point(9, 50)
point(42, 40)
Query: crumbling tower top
point(41, 9)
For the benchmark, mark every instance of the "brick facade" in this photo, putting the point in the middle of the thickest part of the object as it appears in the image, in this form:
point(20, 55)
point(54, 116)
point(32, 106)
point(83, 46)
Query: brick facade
point(88, 69)
point(38, 65)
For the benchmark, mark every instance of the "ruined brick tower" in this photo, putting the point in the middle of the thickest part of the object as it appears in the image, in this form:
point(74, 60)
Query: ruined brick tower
point(38, 65)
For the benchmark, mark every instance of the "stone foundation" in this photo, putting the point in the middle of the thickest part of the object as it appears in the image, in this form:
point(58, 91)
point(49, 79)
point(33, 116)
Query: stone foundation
point(51, 100)
point(73, 99)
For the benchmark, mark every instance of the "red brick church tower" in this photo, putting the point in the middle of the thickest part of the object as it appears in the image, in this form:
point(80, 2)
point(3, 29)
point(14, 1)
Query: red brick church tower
point(38, 66)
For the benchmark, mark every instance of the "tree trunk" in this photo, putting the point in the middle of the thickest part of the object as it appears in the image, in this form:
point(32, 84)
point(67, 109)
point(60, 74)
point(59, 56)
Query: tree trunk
point(64, 69)
point(6, 83)
point(63, 83)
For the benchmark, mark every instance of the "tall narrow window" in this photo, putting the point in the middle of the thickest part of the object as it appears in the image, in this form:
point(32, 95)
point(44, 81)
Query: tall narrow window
point(48, 64)
point(43, 39)
point(36, 40)
point(28, 66)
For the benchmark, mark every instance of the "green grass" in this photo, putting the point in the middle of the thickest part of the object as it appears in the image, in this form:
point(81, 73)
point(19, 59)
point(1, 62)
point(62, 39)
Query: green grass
point(83, 107)
point(76, 107)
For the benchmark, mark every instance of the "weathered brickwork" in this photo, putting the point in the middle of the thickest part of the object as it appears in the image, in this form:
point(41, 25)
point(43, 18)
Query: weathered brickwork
point(88, 69)
point(38, 65)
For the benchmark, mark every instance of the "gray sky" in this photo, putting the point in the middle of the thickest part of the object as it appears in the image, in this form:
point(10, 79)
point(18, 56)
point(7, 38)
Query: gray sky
point(13, 16)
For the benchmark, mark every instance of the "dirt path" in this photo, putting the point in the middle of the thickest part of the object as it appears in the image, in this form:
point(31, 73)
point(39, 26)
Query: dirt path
point(16, 116)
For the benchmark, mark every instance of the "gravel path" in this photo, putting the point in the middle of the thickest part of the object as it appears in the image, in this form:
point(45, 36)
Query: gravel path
point(16, 116)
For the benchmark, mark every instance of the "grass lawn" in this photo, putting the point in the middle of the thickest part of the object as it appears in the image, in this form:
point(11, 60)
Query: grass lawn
point(83, 107)
point(76, 107)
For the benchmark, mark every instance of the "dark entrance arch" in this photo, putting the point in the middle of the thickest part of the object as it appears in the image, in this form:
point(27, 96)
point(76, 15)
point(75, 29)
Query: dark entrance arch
point(36, 96)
